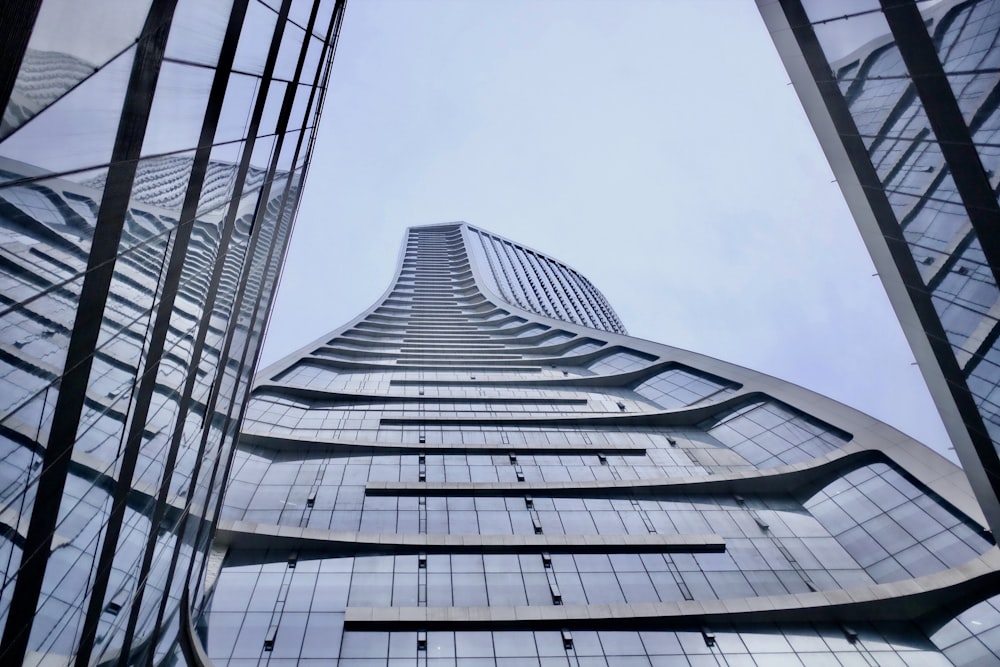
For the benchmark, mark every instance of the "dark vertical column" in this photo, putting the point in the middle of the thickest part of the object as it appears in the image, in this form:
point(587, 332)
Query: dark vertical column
point(329, 48)
point(86, 328)
point(17, 18)
point(246, 276)
point(945, 117)
point(277, 249)
point(971, 180)
point(205, 324)
point(982, 464)
point(188, 213)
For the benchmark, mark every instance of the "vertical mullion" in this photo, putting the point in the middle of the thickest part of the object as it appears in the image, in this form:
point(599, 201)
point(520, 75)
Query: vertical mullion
point(977, 453)
point(87, 327)
point(265, 85)
point(945, 117)
point(17, 18)
point(280, 215)
point(188, 214)
point(515, 298)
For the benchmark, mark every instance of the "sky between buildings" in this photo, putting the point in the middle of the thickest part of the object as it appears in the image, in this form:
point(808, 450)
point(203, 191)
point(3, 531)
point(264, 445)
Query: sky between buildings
point(654, 145)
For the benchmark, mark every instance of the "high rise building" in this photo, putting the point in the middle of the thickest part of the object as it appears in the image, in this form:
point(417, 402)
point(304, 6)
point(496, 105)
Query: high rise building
point(485, 469)
point(151, 158)
point(903, 97)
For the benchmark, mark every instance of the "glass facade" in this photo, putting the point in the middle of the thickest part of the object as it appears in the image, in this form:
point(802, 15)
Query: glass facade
point(454, 480)
point(151, 158)
point(526, 278)
point(903, 95)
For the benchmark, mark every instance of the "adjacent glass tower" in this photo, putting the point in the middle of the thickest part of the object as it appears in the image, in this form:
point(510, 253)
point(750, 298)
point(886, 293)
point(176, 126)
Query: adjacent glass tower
point(151, 158)
point(484, 469)
point(904, 98)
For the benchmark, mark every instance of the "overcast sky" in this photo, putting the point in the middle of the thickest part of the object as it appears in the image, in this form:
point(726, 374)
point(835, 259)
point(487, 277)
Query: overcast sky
point(654, 146)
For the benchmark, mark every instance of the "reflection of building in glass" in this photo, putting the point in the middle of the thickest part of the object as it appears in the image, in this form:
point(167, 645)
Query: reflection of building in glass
point(151, 157)
point(469, 474)
point(905, 101)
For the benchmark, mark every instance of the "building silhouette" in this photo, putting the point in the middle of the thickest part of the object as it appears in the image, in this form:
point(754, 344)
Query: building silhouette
point(151, 159)
point(904, 100)
point(485, 469)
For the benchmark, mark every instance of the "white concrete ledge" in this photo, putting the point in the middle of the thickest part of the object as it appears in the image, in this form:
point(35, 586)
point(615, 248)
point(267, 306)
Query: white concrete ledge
point(320, 542)
point(908, 600)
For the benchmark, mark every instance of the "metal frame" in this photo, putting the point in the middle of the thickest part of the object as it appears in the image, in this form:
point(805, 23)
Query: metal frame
point(261, 254)
point(189, 210)
point(87, 327)
point(838, 134)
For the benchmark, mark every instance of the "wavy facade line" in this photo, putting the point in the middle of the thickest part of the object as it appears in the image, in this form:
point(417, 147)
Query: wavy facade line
point(482, 469)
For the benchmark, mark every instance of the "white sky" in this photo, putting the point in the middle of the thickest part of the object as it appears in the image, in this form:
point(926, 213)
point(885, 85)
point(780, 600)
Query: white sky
point(654, 145)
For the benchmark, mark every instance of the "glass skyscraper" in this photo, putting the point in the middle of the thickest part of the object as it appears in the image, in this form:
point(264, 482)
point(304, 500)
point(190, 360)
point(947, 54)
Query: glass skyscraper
point(484, 469)
point(151, 158)
point(904, 98)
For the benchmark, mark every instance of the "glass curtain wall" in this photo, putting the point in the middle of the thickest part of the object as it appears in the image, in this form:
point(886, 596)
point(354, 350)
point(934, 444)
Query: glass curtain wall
point(151, 157)
point(453, 480)
point(904, 97)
